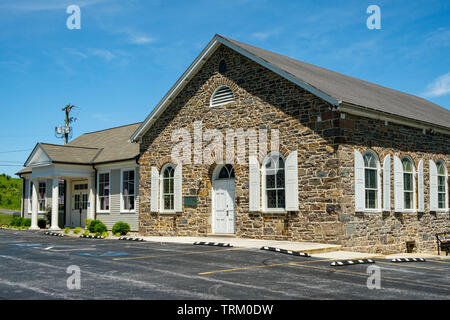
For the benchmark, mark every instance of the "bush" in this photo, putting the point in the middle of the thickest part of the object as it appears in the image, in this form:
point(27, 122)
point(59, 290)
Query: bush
point(86, 233)
point(96, 226)
point(105, 234)
point(67, 230)
point(42, 223)
point(121, 228)
point(16, 222)
point(77, 230)
point(26, 222)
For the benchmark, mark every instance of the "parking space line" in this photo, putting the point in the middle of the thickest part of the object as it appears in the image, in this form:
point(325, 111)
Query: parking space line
point(259, 266)
point(366, 275)
point(179, 254)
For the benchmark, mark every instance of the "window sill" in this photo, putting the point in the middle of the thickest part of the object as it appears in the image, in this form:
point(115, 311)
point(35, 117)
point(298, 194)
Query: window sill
point(271, 211)
point(168, 212)
point(103, 212)
point(127, 212)
point(408, 211)
point(372, 211)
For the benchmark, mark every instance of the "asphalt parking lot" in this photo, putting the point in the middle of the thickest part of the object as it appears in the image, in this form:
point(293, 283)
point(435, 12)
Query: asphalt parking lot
point(34, 266)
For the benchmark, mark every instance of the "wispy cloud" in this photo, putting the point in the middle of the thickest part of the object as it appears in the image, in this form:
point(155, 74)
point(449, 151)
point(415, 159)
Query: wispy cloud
point(439, 87)
point(106, 55)
point(141, 39)
point(44, 5)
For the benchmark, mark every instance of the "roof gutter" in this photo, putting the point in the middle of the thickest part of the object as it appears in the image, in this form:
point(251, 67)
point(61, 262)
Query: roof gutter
point(384, 116)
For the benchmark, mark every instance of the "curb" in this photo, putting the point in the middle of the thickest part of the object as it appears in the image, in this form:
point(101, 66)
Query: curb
point(292, 253)
point(92, 237)
point(216, 244)
point(351, 262)
point(408, 260)
point(57, 234)
point(131, 239)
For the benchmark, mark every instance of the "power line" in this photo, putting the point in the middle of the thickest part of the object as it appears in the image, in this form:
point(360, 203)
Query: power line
point(12, 151)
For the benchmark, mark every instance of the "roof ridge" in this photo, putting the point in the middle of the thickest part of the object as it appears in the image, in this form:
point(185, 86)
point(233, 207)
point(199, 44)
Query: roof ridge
point(122, 126)
point(67, 146)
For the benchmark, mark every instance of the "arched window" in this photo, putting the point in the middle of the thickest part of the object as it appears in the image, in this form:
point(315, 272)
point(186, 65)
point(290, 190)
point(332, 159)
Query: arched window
point(222, 95)
point(371, 180)
point(274, 182)
point(168, 193)
point(442, 184)
point(227, 172)
point(408, 183)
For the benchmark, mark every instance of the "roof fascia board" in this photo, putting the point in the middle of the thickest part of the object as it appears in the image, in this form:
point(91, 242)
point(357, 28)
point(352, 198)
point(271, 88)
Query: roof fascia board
point(176, 88)
point(280, 72)
point(382, 116)
point(33, 153)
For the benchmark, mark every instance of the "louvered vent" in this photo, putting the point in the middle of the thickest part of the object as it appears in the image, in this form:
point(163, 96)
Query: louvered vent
point(222, 95)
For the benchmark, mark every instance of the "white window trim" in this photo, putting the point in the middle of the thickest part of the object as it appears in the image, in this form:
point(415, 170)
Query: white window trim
point(264, 208)
point(98, 191)
point(446, 208)
point(414, 178)
point(161, 188)
point(45, 197)
point(122, 210)
point(379, 208)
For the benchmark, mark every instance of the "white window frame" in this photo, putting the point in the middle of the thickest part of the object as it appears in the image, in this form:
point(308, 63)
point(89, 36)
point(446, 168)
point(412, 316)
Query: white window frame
point(378, 175)
point(264, 207)
point(161, 189)
point(414, 174)
point(122, 204)
point(98, 191)
point(445, 209)
point(45, 196)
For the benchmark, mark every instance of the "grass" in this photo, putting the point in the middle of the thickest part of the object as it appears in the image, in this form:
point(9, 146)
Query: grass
point(10, 192)
point(5, 218)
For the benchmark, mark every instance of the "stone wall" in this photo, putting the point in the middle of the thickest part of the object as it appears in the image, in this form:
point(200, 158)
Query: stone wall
point(264, 100)
point(388, 232)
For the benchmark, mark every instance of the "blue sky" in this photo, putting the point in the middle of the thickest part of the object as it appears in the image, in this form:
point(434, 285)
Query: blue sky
point(128, 54)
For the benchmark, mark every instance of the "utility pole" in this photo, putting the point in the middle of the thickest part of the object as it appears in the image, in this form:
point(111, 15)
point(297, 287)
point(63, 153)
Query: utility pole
point(64, 132)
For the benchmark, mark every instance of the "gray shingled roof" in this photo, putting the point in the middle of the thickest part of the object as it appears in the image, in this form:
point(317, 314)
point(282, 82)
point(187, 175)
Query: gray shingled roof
point(108, 145)
point(114, 143)
point(352, 90)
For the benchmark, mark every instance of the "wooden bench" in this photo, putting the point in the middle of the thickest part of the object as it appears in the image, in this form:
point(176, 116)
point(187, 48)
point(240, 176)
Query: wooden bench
point(443, 242)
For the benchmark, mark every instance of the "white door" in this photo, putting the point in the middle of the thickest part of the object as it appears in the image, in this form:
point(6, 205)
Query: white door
point(223, 206)
point(79, 206)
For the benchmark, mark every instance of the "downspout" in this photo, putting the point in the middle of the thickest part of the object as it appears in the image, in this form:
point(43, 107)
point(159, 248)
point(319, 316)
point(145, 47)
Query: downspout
point(22, 214)
point(95, 193)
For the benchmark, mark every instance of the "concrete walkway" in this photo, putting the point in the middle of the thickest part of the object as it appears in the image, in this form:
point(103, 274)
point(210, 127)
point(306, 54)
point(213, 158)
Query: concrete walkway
point(319, 250)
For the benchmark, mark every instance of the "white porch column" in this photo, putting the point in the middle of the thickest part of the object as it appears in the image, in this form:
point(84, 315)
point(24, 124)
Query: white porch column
point(35, 206)
point(91, 198)
point(55, 206)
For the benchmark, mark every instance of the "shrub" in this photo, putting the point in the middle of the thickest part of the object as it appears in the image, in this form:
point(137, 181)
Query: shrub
point(96, 226)
point(16, 222)
point(121, 228)
point(77, 230)
point(42, 223)
point(105, 234)
point(67, 230)
point(26, 222)
point(86, 233)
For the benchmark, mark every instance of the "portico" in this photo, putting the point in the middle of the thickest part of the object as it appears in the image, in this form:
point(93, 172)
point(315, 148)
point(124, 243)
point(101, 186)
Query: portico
point(46, 178)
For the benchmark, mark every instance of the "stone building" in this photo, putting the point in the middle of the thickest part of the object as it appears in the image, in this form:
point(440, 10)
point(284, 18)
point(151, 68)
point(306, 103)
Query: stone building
point(328, 158)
